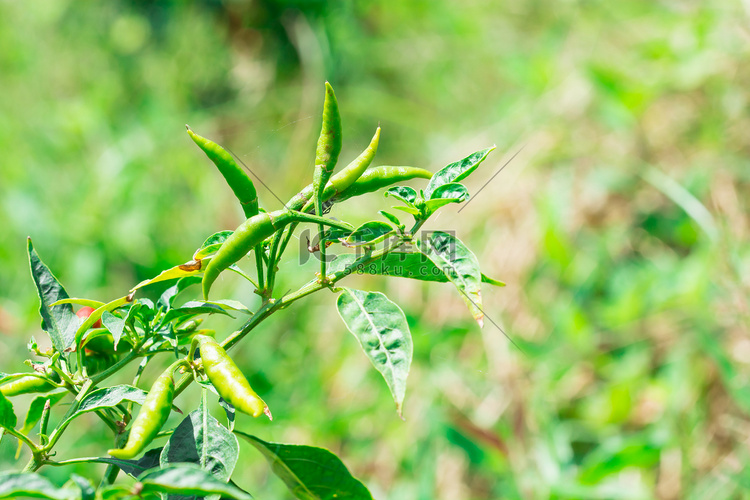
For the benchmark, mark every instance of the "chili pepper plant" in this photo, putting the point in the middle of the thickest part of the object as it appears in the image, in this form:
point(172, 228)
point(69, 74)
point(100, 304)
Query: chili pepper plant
point(92, 340)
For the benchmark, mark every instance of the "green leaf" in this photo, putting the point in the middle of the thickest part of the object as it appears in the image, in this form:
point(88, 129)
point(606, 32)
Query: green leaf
point(404, 193)
point(8, 417)
point(37, 407)
point(391, 218)
point(87, 489)
point(59, 321)
point(15, 485)
point(369, 233)
point(108, 397)
point(135, 468)
point(200, 440)
point(194, 308)
point(492, 281)
point(310, 473)
point(188, 479)
point(167, 298)
point(115, 325)
point(82, 302)
point(451, 191)
point(212, 244)
point(187, 269)
point(460, 266)
point(382, 331)
point(454, 172)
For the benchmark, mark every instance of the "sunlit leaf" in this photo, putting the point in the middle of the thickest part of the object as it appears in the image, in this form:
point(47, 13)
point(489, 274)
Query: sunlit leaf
point(381, 329)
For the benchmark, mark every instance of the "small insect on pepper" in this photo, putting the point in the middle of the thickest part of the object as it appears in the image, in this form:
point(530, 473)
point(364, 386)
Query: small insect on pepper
point(228, 379)
point(153, 415)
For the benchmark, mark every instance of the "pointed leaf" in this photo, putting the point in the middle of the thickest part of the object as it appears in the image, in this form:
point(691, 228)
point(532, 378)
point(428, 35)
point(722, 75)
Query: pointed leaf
point(167, 298)
point(212, 244)
point(59, 321)
point(194, 308)
point(310, 473)
point(460, 266)
point(404, 193)
point(188, 479)
point(108, 397)
point(391, 218)
point(382, 331)
point(454, 172)
point(369, 233)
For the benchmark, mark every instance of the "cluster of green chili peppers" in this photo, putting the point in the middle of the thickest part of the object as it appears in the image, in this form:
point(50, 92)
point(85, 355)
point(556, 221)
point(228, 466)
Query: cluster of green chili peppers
point(353, 180)
point(308, 205)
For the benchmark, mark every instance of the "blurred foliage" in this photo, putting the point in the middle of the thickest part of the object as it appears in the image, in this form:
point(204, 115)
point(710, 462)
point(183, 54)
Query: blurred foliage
point(621, 227)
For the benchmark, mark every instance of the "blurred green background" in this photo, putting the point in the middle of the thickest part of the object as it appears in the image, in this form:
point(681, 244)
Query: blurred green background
point(621, 227)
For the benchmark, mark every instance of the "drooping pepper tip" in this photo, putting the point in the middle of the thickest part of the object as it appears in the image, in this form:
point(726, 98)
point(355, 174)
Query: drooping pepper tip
point(267, 411)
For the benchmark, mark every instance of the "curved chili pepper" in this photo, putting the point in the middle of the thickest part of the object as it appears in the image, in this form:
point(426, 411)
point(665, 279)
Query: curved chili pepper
point(236, 177)
point(228, 379)
point(379, 177)
point(25, 385)
point(151, 418)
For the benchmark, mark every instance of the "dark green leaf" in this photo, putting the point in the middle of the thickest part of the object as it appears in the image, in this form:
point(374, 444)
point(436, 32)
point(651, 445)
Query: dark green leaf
point(460, 266)
point(381, 329)
point(87, 489)
point(188, 479)
point(201, 439)
point(60, 322)
point(135, 468)
point(456, 171)
point(15, 485)
point(8, 417)
point(370, 232)
point(404, 193)
point(310, 473)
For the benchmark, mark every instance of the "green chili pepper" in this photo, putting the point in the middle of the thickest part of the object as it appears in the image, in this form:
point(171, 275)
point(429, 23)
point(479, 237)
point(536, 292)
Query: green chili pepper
point(249, 234)
point(329, 143)
point(341, 180)
point(379, 177)
point(151, 418)
point(25, 385)
point(228, 379)
point(236, 177)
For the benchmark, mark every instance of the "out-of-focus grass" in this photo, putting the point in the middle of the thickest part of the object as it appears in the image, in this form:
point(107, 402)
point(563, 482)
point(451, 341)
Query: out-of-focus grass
point(621, 227)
